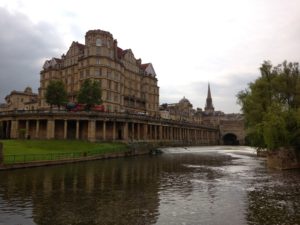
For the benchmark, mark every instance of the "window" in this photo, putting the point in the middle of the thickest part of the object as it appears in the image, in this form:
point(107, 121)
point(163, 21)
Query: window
point(98, 51)
point(97, 61)
point(81, 74)
point(97, 72)
point(117, 76)
point(109, 96)
point(98, 42)
point(109, 73)
point(116, 99)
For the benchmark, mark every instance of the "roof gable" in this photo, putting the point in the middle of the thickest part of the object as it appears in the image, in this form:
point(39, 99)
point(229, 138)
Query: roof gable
point(148, 67)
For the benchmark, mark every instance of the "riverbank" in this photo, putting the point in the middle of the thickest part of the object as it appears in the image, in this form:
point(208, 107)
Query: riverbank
point(284, 158)
point(32, 153)
point(21, 147)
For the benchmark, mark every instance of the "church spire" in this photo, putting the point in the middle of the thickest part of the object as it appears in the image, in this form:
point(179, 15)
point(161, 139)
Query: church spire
point(209, 108)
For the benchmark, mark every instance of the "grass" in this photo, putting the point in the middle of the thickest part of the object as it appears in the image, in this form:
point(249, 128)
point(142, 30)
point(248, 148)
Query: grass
point(36, 150)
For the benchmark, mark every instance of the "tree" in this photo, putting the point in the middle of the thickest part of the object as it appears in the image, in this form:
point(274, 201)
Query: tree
point(56, 93)
point(90, 93)
point(271, 107)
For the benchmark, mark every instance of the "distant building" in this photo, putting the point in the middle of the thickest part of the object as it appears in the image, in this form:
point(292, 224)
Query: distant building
point(182, 111)
point(127, 84)
point(20, 100)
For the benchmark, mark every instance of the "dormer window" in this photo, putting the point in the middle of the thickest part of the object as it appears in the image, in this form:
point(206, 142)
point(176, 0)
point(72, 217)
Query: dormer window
point(98, 42)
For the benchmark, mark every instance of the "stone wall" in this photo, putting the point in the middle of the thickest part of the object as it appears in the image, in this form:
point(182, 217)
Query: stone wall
point(284, 158)
point(235, 127)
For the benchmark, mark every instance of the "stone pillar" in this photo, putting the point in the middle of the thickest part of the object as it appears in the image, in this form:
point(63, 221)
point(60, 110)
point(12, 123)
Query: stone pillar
point(114, 130)
point(155, 132)
point(14, 129)
point(50, 128)
point(1, 154)
point(145, 131)
point(92, 130)
point(27, 129)
point(138, 131)
point(77, 129)
point(125, 131)
point(37, 129)
point(132, 131)
point(65, 129)
point(160, 132)
point(104, 131)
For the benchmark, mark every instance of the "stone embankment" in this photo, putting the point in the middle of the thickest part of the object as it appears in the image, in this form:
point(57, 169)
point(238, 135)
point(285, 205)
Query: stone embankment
point(284, 158)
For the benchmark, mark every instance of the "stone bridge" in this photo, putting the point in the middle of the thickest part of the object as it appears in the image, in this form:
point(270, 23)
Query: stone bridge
point(232, 131)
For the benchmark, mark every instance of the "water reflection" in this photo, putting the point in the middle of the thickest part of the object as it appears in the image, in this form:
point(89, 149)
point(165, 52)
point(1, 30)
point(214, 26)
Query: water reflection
point(183, 186)
point(100, 192)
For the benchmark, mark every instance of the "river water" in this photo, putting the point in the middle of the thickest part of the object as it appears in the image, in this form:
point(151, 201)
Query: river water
point(194, 185)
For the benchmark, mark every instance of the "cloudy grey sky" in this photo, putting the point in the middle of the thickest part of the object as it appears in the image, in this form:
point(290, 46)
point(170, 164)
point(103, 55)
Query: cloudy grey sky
point(189, 43)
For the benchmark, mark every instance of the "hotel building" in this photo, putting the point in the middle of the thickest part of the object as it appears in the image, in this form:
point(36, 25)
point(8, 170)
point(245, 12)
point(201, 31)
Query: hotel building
point(127, 85)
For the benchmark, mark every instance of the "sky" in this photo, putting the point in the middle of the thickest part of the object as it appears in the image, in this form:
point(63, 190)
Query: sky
point(190, 43)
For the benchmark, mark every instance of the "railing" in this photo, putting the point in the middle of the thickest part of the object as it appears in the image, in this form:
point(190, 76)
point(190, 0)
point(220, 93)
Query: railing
point(12, 159)
point(107, 114)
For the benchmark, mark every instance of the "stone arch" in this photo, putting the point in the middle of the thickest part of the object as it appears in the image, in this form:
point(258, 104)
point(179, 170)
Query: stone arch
point(230, 139)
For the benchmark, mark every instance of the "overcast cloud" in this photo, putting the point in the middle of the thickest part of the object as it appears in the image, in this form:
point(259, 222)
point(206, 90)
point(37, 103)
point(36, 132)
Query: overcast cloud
point(24, 46)
point(190, 43)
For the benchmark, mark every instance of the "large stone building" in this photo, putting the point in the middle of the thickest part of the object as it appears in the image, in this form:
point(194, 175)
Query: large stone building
point(20, 100)
point(126, 83)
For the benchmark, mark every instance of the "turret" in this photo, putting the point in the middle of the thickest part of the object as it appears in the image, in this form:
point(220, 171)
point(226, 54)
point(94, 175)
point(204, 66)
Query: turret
point(99, 42)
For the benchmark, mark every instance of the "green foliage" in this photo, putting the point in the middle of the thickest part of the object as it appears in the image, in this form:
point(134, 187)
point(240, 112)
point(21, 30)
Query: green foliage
point(56, 93)
point(90, 93)
point(271, 107)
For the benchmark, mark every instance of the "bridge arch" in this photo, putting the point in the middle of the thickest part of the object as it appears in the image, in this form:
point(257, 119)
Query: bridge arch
point(230, 139)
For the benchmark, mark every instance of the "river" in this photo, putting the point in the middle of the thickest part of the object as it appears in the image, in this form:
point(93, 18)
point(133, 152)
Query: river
point(193, 185)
